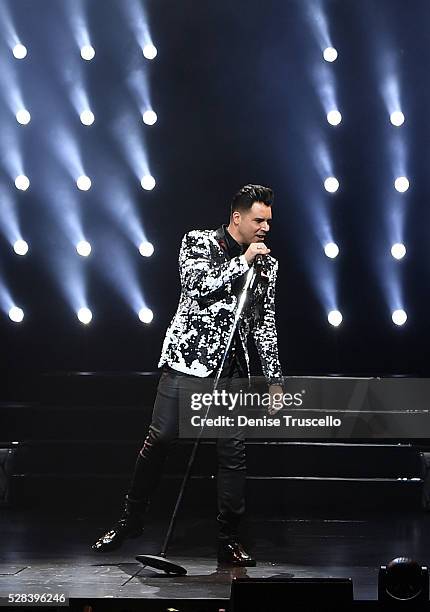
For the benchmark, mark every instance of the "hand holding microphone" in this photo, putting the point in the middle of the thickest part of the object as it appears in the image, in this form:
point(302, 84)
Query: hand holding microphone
point(255, 250)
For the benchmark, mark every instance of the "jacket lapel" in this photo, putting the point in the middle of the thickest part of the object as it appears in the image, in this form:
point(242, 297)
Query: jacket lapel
point(222, 245)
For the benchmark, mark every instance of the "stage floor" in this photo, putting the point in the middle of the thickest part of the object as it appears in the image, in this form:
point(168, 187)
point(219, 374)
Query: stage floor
point(48, 551)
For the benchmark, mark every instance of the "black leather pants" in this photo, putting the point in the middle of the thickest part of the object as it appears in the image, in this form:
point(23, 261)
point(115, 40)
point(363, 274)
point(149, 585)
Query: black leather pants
point(164, 430)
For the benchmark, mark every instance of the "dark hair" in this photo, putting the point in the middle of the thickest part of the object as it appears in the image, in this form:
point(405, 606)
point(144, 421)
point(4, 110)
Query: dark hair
point(247, 195)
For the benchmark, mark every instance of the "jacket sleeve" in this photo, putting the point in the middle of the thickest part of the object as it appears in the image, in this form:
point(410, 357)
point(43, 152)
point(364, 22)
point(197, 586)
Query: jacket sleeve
point(265, 336)
point(200, 274)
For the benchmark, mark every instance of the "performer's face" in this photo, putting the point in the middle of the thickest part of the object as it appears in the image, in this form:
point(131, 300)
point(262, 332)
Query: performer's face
point(252, 225)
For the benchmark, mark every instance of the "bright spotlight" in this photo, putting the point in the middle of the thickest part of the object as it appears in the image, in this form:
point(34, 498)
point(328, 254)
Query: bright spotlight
point(149, 51)
point(399, 317)
point(331, 184)
point(23, 116)
point(83, 248)
point(85, 315)
point(87, 117)
point(149, 117)
point(148, 182)
point(330, 54)
point(331, 250)
point(83, 183)
point(87, 52)
point(16, 314)
point(401, 184)
point(398, 250)
point(22, 182)
point(19, 51)
point(334, 318)
point(146, 315)
point(20, 247)
point(334, 117)
point(397, 118)
point(146, 249)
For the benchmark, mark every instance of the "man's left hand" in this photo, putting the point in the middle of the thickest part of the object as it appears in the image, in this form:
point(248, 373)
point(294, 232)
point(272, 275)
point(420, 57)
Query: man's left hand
point(276, 399)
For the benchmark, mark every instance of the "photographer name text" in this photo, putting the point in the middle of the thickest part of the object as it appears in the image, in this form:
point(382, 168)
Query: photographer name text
point(285, 420)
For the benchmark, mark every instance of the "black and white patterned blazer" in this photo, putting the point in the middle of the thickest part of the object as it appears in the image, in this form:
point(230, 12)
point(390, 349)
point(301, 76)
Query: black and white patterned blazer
point(197, 335)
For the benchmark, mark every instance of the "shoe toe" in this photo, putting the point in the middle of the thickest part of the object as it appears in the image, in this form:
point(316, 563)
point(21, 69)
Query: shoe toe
point(109, 541)
point(232, 553)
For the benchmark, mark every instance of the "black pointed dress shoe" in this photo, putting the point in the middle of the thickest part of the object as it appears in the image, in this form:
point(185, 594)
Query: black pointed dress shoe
point(231, 552)
point(113, 539)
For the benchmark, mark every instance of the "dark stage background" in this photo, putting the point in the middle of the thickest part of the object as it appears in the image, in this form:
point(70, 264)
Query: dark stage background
point(239, 89)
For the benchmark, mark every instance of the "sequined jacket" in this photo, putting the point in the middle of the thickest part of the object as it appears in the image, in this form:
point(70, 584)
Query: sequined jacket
point(196, 338)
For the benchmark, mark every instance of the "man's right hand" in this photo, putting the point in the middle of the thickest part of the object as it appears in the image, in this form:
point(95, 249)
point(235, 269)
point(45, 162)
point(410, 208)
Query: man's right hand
point(255, 248)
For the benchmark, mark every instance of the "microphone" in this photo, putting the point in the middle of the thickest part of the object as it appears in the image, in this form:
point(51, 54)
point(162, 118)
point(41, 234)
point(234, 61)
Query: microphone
point(258, 261)
point(258, 266)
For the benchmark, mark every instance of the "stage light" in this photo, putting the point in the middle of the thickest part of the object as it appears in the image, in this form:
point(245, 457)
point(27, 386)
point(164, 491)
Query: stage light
point(398, 250)
point(22, 182)
point(146, 315)
point(85, 315)
point(331, 250)
point(20, 247)
point(23, 116)
point(148, 182)
point(397, 118)
point(83, 248)
point(87, 52)
point(16, 314)
point(149, 117)
point(330, 54)
point(83, 183)
point(403, 584)
point(149, 51)
point(87, 117)
point(401, 184)
point(399, 317)
point(331, 184)
point(146, 249)
point(334, 117)
point(334, 318)
point(19, 51)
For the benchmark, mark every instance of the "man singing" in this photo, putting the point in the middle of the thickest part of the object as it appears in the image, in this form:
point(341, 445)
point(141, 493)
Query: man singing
point(212, 266)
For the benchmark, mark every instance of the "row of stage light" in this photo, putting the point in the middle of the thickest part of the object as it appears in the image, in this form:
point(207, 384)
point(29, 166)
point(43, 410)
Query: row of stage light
point(87, 117)
point(87, 52)
point(145, 315)
point(83, 182)
point(401, 184)
point(83, 248)
point(398, 317)
point(84, 315)
point(23, 117)
point(146, 249)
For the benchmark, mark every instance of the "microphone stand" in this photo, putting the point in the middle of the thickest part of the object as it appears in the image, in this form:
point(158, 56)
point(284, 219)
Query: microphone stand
point(160, 562)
